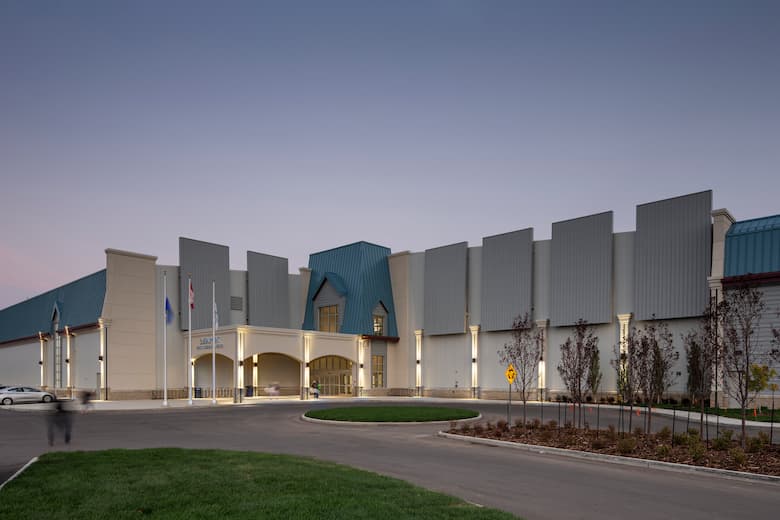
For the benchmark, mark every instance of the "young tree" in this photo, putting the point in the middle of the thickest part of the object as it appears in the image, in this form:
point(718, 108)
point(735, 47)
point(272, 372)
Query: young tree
point(523, 351)
point(594, 373)
point(739, 315)
point(653, 355)
point(576, 356)
point(701, 349)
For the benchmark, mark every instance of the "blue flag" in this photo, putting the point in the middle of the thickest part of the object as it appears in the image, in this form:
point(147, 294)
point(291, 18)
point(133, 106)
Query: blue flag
point(168, 311)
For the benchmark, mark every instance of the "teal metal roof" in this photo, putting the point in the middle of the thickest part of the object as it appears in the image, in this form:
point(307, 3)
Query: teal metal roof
point(361, 273)
point(78, 303)
point(753, 247)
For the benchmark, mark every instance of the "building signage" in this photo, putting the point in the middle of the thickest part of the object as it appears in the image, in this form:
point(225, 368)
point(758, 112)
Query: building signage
point(205, 343)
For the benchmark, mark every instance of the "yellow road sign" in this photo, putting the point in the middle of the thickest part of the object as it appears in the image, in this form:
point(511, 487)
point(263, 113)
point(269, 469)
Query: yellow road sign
point(510, 373)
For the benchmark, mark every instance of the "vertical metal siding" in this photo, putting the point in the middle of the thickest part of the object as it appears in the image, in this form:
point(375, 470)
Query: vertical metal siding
point(624, 272)
point(206, 262)
point(507, 275)
point(445, 289)
point(752, 252)
point(268, 291)
point(542, 284)
point(582, 270)
point(673, 248)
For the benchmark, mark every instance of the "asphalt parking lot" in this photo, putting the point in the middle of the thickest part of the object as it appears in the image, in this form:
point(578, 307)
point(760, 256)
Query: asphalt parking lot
point(536, 486)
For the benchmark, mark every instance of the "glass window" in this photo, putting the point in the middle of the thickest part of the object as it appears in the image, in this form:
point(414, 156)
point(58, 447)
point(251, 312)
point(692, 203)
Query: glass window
point(377, 371)
point(379, 325)
point(329, 318)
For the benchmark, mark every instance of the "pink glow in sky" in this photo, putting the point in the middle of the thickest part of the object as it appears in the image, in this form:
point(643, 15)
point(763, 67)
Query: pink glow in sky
point(293, 127)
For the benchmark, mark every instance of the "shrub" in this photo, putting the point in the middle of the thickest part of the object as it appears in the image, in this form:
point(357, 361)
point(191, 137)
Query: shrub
point(519, 424)
point(478, 429)
point(536, 424)
point(489, 426)
point(663, 451)
point(727, 434)
point(598, 444)
point(589, 399)
point(611, 400)
point(626, 445)
point(502, 426)
point(552, 425)
point(465, 428)
point(545, 435)
point(753, 445)
point(720, 444)
point(664, 434)
point(737, 455)
point(638, 431)
point(693, 432)
point(696, 449)
point(611, 432)
point(763, 438)
point(681, 438)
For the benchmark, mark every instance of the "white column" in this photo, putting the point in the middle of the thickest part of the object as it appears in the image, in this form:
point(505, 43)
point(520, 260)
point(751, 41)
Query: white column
point(418, 337)
point(41, 340)
point(363, 346)
point(255, 359)
point(474, 360)
point(103, 357)
point(625, 321)
point(307, 340)
point(67, 361)
point(542, 370)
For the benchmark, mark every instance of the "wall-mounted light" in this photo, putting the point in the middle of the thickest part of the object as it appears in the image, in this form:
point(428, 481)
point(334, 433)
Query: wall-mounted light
point(473, 360)
point(418, 361)
point(100, 358)
point(67, 360)
point(40, 362)
point(361, 365)
point(307, 365)
point(255, 364)
point(240, 363)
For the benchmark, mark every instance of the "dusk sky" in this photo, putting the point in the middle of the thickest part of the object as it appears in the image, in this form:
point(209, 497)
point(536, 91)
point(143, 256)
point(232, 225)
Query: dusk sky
point(292, 127)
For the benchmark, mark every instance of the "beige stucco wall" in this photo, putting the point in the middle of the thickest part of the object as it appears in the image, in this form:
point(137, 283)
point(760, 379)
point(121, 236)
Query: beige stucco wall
point(128, 312)
point(400, 356)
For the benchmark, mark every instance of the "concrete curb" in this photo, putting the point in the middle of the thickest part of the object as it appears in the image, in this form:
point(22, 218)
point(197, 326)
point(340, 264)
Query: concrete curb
point(34, 459)
point(356, 423)
point(614, 459)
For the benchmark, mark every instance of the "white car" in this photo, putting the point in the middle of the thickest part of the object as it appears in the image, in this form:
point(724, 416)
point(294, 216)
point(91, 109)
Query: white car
point(24, 394)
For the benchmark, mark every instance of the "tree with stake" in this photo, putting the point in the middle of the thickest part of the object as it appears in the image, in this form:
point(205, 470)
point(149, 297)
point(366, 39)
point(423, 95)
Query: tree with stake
point(701, 349)
point(576, 358)
point(523, 352)
point(739, 316)
point(654, 358)
point(594, 381)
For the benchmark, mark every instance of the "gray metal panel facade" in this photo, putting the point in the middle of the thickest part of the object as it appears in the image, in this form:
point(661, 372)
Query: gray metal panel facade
point(673, 246)
point(206, 262)
point(445, 289)
point(268, 291)
point(507, 277)
point(582, 270)
point(624, 272)
point(541, 292)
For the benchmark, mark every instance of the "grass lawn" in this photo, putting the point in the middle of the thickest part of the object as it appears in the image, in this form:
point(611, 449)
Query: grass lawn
point(392, 414)
point(193, 484)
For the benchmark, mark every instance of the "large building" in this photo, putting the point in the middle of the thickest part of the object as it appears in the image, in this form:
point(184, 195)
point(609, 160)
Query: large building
point(361, 320)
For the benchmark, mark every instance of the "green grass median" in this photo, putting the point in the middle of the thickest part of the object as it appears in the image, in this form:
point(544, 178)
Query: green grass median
point(194, 484)
point(392, 414)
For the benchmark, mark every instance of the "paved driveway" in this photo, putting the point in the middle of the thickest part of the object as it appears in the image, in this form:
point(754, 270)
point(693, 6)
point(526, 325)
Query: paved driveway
point(534, 486)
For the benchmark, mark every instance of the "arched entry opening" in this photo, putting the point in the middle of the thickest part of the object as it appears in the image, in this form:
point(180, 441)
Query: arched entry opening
point(224, 381)
point(272, 374)
point(334, 374)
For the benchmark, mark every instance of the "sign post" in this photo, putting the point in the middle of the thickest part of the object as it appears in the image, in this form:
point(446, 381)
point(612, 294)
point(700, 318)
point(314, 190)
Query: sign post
point(510, 376)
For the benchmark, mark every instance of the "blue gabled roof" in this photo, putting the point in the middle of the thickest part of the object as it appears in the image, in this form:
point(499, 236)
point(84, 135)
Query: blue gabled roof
point(361, 273)
point(78, 303)
point(753, 247)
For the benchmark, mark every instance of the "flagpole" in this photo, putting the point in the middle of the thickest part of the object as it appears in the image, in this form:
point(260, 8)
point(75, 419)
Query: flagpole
point(213, 343)
point(165, 338)
point(189, 339)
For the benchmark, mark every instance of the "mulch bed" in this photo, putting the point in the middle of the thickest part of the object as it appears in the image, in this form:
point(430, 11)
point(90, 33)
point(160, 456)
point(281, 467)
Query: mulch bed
point(682, 448)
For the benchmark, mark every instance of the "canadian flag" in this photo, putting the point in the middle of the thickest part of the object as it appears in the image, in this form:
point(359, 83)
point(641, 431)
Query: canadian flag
point(192, 296)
